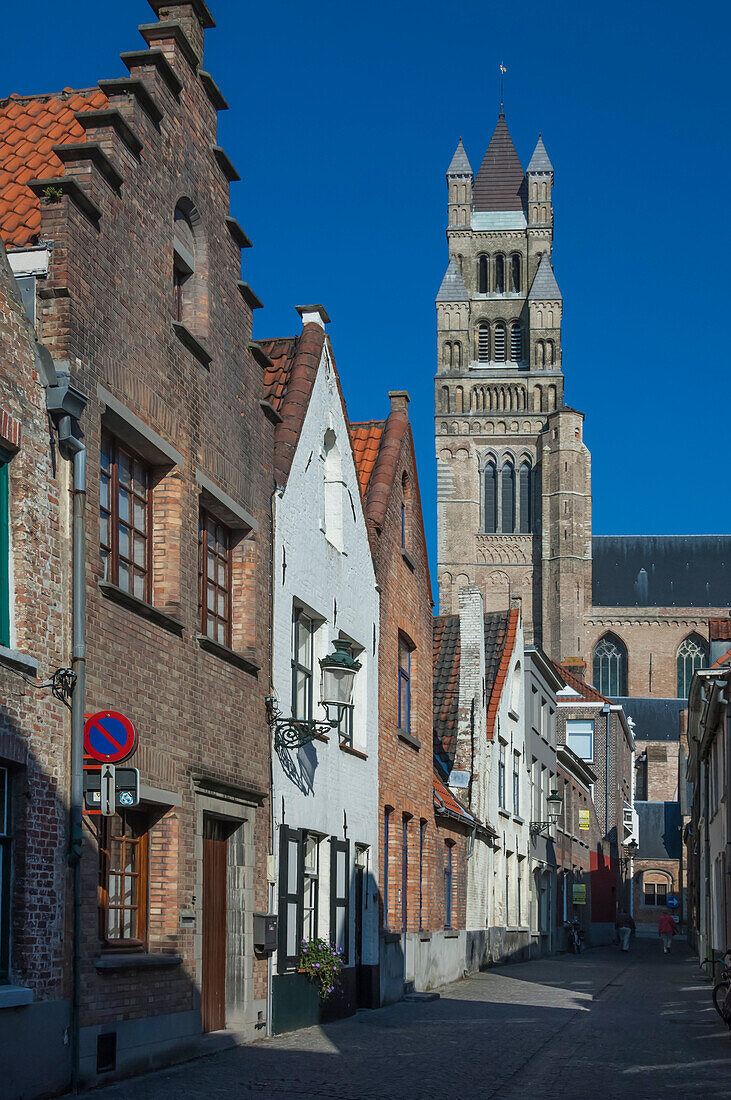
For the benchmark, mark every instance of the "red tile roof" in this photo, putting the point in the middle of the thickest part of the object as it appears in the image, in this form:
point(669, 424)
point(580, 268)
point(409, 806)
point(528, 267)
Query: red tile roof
point(288, 387)
point(444, 798)
point(386, 460)
point(29, 128)
point(502, 672)
point(719, 630)
point(586, 691)
point(366, 443)
point(722, 662)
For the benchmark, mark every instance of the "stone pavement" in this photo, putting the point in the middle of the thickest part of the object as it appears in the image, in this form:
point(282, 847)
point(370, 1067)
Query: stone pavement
point(639, 1025)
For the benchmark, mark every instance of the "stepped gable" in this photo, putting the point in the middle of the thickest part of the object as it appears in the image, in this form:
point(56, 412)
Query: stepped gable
point(29, 128)
point(500, 182)
point(288, 387)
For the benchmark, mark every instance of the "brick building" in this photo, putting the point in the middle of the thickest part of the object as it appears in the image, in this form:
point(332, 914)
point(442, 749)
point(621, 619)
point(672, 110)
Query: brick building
point(114, 207)
point(423, 831)
point(579, 845)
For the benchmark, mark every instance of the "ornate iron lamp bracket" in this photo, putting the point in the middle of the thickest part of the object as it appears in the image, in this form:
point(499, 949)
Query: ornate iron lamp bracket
point(294, 733)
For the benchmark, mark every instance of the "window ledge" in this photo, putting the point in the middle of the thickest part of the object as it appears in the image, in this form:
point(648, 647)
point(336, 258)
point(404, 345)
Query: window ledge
point(233, 656)
point(451, 933)
point(504, 813)
point(140, 607)
point(424, 936)
point(142, 961)
point(518, 819)
point(21, 662)
point(11, 996)
point(408, 559)
point(514, 715)
point(193, 345)
point(353, 752)
point(409, 739)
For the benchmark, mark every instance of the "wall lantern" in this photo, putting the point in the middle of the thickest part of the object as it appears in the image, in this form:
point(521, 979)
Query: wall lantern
point(337, 678)
point(554, 804)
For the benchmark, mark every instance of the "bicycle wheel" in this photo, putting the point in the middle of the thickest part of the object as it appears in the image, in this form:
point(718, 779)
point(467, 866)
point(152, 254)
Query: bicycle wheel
point(722, 1001)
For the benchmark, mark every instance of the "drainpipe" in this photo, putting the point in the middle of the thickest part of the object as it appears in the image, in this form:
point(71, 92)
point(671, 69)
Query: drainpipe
point(66, 404)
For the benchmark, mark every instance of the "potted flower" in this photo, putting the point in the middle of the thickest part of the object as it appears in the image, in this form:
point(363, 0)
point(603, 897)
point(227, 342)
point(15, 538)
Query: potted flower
point(321, 962)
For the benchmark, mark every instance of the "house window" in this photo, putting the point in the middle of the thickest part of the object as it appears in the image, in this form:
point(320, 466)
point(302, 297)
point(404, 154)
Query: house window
point(501, 777)
point(610, 666)
point(4, 550)
point(422, 844)
point(340, 895)
point(404, 685)
point(183, 266)
point(448, 885)
point(490, 475)
point(125, 516)
point(311, 886)
point(580, 737)
point(654, 889)
point(5, 840)
point(345, 725)
point(386, 831)
point(692, 655)
point(405, 873)
point(516, 783)
point(303, 631)
point(483, 343)
point(507, 891)
point(123, 848)
point(214, 578)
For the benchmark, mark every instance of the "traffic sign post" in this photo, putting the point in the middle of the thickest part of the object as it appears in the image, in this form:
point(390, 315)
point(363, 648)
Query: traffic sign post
point(672, 901)
point(109, 737)
point(126, 788)
point(107, 792)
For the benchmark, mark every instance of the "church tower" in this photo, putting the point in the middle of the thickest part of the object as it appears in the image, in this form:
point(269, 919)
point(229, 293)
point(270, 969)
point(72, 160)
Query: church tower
point(513, 481)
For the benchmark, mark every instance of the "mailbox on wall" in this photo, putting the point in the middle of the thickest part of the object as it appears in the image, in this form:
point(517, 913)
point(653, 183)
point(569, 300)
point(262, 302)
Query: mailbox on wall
point(266, 928)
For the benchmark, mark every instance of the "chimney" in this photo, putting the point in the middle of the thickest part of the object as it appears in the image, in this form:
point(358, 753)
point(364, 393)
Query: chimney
point(576, 666)
point(316, 315)
point(399, 401)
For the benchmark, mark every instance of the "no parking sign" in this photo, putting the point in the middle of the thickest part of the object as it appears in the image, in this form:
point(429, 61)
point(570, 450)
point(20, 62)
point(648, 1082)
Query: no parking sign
point(109, 737)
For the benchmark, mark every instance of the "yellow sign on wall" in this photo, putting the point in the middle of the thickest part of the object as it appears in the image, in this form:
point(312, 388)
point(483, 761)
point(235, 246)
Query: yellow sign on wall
point(579, 893)
point(583, 819)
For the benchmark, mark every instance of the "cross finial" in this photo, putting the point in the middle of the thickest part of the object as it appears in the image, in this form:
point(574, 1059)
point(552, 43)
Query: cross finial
point(503, 70)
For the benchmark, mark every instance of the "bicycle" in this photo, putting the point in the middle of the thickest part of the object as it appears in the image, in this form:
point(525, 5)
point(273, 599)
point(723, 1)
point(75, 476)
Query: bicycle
point(722, 991)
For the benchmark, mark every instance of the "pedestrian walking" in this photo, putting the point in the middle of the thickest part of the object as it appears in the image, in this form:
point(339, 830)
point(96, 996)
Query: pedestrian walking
point(625, 927)
point(666, 928)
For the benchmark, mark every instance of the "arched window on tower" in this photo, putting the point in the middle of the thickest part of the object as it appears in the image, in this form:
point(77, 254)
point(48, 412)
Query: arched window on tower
point(500, 274)
point(525, 489)
point(490, 482)
point(507, 495)
point(692, 654)
point(610, 666)
point(549, 353)
point(445, 399)
point(499, 342)
point(516, 342)
point(482, 263)
point(483, 342)
point(515, 272)
point(457, 355)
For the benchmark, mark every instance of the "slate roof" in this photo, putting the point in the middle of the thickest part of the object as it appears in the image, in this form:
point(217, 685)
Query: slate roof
point(659, 830)
point(655, 719)
point(500, 632)
point(288, 387)
point(719, 630)
point(500, 183)
point(539, 162)
point(29, 128)
point(460, 165)
point(544, 287)
point(661, 571)
point(366, 438)
point(453, 288)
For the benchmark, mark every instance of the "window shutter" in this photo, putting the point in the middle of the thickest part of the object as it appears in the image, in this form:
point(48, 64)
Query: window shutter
point(340, 895)
point(291, 892)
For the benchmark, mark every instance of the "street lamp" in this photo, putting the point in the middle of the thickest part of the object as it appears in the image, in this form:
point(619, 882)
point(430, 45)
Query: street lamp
point(630, 851)
point(337, 678)
point(554, 804)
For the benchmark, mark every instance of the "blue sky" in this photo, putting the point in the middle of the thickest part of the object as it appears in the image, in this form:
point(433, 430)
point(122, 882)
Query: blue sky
point(343, 120)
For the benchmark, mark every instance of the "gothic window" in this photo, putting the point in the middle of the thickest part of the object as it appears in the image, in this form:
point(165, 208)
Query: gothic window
point(482, 262)
point(692, 654)
point(483, 343)
point(499, 342)
point(526, 503)
point(516, 342)
point(610, 666)
point(507, 492)
point(490, 497)
point(515, 272)
point(500, 274)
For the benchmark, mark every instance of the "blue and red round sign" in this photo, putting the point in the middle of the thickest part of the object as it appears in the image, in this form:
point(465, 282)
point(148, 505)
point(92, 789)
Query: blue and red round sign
point(109, 737)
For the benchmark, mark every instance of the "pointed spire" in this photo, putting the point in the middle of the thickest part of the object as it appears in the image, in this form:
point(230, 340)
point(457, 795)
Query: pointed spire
point(499, 184)
point(453, 288)
point(539, 162)
point(460, 165)
point(544, 287)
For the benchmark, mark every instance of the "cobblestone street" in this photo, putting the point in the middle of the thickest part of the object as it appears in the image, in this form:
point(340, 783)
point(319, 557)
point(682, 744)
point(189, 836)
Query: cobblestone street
point(636, 1025)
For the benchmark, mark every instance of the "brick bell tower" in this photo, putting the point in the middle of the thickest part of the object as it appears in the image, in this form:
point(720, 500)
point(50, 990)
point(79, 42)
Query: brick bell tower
point(513, 474)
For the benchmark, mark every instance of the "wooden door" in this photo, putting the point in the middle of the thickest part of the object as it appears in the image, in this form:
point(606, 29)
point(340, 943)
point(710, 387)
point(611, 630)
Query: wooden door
point(214, 925)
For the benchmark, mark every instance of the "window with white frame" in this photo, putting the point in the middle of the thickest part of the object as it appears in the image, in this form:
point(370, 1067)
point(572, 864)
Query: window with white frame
point(516, 783)
point(580, 737)
point(303, 633)
point(501, 776)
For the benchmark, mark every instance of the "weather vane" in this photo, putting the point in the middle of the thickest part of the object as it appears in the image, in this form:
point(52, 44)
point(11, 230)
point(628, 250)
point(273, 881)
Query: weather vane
point(503, 70)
